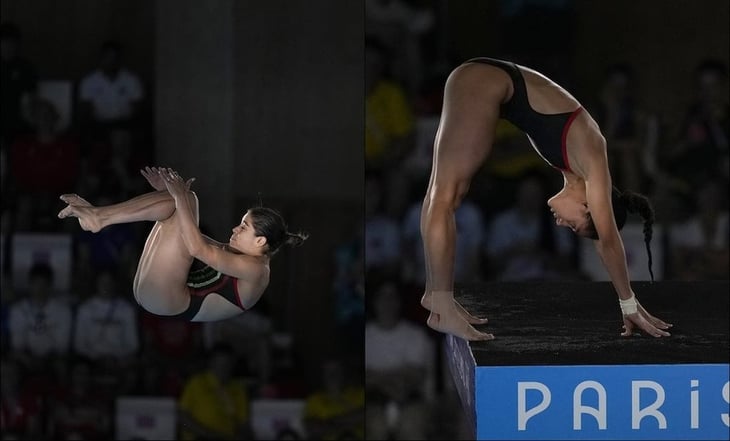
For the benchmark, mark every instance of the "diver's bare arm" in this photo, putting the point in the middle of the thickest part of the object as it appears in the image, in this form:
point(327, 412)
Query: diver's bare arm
point(191, 235)
point(609, 245)
point(610, 248)
point(213, 242)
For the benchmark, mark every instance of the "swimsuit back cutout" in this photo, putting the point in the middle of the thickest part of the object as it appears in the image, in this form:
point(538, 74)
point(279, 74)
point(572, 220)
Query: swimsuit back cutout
point(547, 132)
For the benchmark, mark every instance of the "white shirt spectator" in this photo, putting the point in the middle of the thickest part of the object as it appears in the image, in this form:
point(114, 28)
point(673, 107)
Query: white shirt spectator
point(40, 329)
point(105, 326)
point(111, 99)
point(403, 345)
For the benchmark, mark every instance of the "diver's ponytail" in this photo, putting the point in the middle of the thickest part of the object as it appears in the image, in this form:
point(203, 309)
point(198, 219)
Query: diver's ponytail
point(639, 204)
point(269, 223)
point(295, 239)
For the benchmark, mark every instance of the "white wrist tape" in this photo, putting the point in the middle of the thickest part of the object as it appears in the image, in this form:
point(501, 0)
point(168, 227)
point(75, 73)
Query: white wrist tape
point(628, 306)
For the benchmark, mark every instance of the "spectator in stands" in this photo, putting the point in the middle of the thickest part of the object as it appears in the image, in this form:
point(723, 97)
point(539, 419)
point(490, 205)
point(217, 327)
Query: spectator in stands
point(106, 325)
point(19, 82)
point(631, 132)
point(109, 246)
point(46, 159)
point(382, 232)
point(698, 246)
point(40, 324)
point(252, 333)
point(388, 114)
point(286, 379)
point(401, 26)
point(112, 165)
point(335, 410)
point(702, 148)
point(20, 408)
point(170, 348)
point(78, 408)
point(83, 273)
point(215, 403)
point(42, 161)
point(110, 95)
point(399, 370)
point(523, 241)
point(349, 290)
point(469, 243)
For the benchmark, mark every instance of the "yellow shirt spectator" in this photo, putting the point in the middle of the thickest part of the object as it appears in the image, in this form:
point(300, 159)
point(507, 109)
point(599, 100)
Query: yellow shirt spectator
point(388, 116)
point(341, 415)
point(221, 408)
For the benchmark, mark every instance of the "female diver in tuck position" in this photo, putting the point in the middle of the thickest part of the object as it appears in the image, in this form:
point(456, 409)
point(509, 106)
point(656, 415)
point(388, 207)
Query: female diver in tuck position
point(235, 274)
point(477, 94)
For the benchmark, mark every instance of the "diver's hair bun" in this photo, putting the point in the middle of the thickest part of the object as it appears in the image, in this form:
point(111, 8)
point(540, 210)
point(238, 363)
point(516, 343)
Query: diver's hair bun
point(295, 239)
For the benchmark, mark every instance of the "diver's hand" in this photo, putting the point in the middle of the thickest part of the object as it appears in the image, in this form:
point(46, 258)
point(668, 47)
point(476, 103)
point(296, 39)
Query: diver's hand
point(157, 181)
point(646, 322)
point(174, 182)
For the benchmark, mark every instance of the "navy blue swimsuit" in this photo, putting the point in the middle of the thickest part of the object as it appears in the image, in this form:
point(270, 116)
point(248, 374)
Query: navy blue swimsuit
point(547, 133)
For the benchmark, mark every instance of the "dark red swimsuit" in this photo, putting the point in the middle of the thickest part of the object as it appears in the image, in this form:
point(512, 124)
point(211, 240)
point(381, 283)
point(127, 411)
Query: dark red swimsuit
point(205, 281)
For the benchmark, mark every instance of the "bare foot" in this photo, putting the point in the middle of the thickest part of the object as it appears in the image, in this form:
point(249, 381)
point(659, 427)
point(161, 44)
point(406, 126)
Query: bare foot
point(445, 317)
point(426, 303)
point(81, 209)
point(457, 326)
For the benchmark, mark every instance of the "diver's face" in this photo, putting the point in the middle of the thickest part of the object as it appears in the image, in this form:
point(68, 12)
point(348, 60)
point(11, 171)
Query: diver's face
point(570, 213)
point(244, 237)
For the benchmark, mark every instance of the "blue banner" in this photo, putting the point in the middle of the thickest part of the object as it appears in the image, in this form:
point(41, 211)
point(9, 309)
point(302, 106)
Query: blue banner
point(627, 402)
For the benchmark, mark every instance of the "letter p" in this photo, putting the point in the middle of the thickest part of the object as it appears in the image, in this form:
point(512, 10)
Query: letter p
point(523, 415)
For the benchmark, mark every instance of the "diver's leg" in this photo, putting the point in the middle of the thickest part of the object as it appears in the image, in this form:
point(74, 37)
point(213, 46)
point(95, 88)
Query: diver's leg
point(160, 284)
point(154, 206)
point(472, 98)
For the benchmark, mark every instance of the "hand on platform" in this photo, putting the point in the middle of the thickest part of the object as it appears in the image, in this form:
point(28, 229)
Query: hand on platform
point(646, 322)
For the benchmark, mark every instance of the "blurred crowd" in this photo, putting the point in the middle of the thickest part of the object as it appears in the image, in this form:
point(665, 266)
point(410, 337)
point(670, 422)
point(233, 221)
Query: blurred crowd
point(505, 230)
point(70, 352)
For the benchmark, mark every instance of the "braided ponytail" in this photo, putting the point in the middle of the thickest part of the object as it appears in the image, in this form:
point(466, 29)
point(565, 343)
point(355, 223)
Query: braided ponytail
point(630, 202)
point(639, 204)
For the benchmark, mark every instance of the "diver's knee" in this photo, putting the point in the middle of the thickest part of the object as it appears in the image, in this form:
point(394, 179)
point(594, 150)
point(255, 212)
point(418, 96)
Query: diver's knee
point(448, 195)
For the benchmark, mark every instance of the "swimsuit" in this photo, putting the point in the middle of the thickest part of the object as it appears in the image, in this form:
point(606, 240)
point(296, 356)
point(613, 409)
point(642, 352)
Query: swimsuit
point(204, 281)
point(547, 133)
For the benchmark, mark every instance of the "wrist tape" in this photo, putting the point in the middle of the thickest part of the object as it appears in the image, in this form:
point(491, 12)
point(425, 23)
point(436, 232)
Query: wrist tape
point(628, 306)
